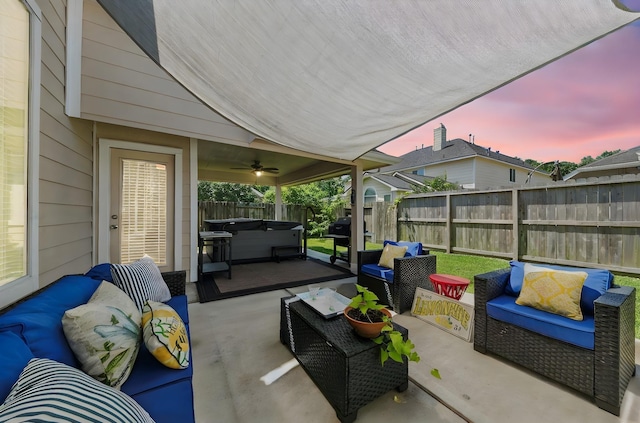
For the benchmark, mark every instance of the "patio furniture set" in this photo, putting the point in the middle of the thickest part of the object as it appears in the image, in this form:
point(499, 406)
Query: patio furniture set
point(593, 354)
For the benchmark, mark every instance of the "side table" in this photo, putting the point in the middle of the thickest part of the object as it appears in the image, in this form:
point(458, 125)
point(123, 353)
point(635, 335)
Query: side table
point(221, 261)
point(345, 367)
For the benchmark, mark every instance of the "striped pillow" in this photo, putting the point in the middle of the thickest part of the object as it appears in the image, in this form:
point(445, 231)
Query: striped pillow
point(142, 281)
point(49, 391)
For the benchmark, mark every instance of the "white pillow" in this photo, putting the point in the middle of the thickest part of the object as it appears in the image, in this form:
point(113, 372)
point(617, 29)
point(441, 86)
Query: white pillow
point(105, 334)
point(49, 391)
point(141, 280)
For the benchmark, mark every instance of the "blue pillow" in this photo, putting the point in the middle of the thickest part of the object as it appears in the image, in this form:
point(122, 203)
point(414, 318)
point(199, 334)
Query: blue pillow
point(596, 284)
point(14, 356)
point(100, 272)
point(413, 248)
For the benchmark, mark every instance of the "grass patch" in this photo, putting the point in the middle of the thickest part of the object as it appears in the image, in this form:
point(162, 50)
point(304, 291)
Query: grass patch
point(468, 266)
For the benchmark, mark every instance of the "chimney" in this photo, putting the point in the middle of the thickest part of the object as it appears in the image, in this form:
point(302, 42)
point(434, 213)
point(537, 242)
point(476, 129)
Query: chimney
point(439, 138)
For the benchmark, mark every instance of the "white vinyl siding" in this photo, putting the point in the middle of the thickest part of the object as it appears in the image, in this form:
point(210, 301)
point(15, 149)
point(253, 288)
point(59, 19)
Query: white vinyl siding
point(66, 163)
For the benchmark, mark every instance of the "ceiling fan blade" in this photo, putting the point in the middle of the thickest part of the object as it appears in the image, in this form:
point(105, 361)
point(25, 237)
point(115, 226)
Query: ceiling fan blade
point(270, 169)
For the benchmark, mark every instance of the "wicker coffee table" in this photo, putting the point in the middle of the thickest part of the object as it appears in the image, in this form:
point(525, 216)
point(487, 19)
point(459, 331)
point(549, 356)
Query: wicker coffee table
point(345, 367)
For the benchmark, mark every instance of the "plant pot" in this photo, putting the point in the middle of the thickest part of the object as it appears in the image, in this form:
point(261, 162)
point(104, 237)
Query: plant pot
point(366, 329)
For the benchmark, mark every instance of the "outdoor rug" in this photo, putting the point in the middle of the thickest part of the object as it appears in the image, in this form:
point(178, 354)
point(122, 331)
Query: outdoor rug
point(251, 278)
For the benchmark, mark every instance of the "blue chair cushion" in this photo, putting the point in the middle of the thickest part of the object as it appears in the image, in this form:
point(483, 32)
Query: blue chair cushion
point(596, 284)
point(179, 304)
point(38, 321)
point(413, 248)
point(14, 356)
point(378, 271)
point(579, 333)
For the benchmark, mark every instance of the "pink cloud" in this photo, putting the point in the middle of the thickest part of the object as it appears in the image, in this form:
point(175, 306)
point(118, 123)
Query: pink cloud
point(582, 104)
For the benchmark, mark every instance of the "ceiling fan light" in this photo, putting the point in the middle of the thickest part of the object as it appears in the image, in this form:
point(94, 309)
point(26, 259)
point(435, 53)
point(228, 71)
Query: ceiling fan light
point(257, 172)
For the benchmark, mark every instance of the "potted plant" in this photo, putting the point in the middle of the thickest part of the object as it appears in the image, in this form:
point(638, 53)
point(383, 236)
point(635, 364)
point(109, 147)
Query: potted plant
point(373, 320)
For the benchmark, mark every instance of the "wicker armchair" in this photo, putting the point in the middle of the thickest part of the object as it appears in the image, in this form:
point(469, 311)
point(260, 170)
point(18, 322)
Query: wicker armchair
point(408, 274)
point(602, 373)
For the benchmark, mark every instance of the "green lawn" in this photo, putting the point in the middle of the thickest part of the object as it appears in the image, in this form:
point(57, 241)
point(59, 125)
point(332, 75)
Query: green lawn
point(468, 266)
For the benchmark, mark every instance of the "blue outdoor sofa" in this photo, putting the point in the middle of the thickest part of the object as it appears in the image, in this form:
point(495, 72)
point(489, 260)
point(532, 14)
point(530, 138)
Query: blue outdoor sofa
point(595, 355)
point(32, 328)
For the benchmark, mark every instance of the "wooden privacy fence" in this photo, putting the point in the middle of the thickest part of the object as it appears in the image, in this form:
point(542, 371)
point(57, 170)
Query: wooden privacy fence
point(228, 210)
point(593, 222)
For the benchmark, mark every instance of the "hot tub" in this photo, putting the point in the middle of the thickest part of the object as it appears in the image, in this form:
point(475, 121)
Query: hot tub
point(254, 239)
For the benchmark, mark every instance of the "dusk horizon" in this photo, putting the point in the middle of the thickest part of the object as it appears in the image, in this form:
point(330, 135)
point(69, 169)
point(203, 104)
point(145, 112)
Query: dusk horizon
point(580, 105)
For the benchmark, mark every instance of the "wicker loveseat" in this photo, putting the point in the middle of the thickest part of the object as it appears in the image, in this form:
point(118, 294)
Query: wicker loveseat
point(601, 370)
point(396, 288)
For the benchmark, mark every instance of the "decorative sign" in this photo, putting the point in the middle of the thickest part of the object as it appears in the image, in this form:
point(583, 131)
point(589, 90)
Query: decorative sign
point(446, 313)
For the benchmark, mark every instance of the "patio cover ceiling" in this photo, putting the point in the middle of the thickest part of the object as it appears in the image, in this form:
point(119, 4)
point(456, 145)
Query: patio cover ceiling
point(339, 78)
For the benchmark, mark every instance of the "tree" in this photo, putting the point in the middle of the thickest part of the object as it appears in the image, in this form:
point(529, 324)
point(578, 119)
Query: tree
point(223, 191)
point(439, 183)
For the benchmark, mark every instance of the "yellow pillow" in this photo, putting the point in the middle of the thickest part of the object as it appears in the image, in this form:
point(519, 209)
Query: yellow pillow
point(165, 335)
point(555, 291)
point(389, 253)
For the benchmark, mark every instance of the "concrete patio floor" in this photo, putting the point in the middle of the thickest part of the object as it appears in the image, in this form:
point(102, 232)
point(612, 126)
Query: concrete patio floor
point(236, 341)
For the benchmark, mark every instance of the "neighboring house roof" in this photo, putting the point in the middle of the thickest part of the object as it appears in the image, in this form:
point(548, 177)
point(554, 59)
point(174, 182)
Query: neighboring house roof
point(398, 180)
point(625, 162)
point(453, 149)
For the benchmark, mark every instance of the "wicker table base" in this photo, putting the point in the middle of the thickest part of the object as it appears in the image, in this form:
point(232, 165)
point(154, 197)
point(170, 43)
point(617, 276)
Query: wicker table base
point(345, 367)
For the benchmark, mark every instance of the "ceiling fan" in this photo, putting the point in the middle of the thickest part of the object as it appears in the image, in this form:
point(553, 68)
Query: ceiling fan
point(257, 169)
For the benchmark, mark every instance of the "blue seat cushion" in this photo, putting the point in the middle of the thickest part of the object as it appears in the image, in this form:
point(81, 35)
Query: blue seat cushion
point(596, 284)
point(14, 356)
point(579, 333)
point(378, 271)
point(413, 248)
point(179, 304)
point(38, 321)
point(169, 403)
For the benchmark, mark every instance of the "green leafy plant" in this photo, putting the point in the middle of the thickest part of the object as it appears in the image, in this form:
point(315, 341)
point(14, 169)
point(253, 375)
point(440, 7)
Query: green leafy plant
point(392, 343)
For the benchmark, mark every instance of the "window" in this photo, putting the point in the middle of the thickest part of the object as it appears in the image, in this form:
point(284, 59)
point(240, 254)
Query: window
point(19, 114)
point(387, 198)
point(512, 175)
point(370, 195)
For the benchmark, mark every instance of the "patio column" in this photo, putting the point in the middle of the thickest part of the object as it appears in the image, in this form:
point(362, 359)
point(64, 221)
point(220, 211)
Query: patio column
point(357, 215)
point(278, 202)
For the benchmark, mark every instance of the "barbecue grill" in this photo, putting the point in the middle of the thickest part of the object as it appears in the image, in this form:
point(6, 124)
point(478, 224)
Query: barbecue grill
point(340, 232)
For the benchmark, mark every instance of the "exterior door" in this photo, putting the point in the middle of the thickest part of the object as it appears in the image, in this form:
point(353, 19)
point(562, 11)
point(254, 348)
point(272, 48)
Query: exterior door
point(141, 212)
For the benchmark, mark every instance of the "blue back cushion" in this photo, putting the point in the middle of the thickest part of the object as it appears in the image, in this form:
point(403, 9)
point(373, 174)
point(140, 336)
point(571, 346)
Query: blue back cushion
point(596, 284)
point(100, 272)
point(14, 356)
point(413, 248)
point(38, 321)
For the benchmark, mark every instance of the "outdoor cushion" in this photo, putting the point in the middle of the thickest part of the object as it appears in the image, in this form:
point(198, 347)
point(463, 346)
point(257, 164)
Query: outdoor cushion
point(165, 335)
point(576, 332)
point(389, 253)
point(596, 284)
point(38, 321)
point(555, 291)
point(101, 272)
point(179, 304)
point(14, 356)
point(378, 271)
point(48, 391)
point(141, 280)
point(169, 403)
point(104, 334)
point(413, 248)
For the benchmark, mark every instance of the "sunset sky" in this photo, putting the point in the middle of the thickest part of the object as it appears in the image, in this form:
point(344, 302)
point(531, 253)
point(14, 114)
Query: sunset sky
point(580, 105)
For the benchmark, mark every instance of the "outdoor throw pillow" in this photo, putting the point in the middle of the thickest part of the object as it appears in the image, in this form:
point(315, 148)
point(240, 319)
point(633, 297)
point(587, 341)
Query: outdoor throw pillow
point(104, 334)
point(48, 391)
point(165, 335)
point(389, 253)
point(141, 280)
point(554, 291)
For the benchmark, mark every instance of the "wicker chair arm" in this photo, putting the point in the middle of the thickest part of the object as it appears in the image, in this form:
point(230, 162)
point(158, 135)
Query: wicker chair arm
point(488, 286)
point(368, 257)
point(176, 281)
